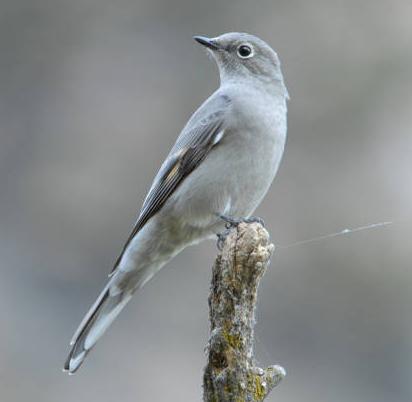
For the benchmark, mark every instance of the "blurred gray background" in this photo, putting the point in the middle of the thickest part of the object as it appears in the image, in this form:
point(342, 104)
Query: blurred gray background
point(93, 94)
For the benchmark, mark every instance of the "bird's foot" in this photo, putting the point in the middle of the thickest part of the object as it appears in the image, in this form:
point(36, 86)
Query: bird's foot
point(254, 219)
point(231, 223)
point(221, 238)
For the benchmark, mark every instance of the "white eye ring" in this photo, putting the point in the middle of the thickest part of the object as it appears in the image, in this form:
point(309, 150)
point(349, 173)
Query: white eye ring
point(245, 51)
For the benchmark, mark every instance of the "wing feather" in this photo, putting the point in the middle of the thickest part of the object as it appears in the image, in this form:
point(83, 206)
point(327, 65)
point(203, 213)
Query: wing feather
point(203, 131)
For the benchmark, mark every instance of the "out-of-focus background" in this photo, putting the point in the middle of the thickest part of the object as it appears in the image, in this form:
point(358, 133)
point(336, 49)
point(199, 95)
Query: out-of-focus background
point(93, 94)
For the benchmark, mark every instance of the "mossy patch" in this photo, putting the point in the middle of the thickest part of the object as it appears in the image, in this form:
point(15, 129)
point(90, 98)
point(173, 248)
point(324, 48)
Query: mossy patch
point(234, 340)
point(256, 387)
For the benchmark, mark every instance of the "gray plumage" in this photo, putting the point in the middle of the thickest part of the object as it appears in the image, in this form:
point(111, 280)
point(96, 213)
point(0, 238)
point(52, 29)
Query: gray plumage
point(222, 163)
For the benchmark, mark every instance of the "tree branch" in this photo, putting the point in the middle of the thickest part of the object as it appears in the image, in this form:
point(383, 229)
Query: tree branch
point(230, 374)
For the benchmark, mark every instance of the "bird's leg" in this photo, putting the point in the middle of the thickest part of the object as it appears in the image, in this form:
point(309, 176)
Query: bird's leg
point(231, 223)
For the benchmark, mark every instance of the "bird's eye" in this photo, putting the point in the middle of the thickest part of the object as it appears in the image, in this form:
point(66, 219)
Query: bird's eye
point(244, 51)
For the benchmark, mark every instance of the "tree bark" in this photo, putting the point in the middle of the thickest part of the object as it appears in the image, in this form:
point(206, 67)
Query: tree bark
point(230, 374)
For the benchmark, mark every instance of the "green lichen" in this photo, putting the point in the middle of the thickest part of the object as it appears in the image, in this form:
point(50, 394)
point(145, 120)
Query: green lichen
point(255, 387)
point(260, 391)
point(234, 340)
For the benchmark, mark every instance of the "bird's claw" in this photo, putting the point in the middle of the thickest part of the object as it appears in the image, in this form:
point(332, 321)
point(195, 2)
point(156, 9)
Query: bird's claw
point(233, 222)
point(253, 219)
point(221, 238)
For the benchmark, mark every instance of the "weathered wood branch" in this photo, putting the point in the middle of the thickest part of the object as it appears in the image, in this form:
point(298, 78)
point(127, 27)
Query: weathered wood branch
point(230, 374)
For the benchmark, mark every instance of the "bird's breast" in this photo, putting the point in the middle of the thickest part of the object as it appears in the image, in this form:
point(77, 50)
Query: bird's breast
point(238, 171)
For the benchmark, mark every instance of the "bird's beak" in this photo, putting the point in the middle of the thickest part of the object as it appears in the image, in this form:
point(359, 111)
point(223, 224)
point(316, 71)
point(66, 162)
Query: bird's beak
point(207, 42)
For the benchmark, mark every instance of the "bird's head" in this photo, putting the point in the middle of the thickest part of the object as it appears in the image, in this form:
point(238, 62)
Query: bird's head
point(242, 56)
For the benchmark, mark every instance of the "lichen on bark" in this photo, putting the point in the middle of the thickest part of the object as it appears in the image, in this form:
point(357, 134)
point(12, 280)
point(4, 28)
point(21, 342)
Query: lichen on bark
point(230, 374)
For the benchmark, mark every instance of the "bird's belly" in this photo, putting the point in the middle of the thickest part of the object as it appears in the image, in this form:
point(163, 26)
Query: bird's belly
point(232, 180)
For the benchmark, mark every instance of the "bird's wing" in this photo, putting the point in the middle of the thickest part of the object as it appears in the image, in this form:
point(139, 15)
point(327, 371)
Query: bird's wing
point(203, 131)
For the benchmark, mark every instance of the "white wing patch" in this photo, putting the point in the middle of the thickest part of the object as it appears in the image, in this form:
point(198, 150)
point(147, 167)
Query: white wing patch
point(218, 137)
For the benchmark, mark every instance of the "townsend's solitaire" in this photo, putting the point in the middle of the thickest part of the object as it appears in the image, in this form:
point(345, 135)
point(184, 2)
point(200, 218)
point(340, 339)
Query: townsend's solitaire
point(220, 167)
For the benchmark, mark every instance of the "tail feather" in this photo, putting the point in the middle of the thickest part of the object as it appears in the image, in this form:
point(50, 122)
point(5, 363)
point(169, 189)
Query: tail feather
point(106, 308)
point(101, 315)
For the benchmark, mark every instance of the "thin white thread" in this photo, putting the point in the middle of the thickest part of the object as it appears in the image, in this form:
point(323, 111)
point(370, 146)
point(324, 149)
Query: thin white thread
point(336, 234)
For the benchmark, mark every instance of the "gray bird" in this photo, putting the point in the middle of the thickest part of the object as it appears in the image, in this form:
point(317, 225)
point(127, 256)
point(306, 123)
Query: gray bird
point(219, 169)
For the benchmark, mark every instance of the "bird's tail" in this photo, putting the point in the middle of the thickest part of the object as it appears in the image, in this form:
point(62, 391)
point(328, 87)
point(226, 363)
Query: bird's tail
point(101, 315)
